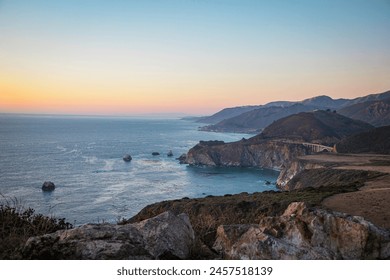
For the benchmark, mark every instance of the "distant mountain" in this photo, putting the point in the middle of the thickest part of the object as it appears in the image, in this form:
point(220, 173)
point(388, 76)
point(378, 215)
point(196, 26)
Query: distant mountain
point(322, 127)
point(375, 141)
point(252, 119)
point(375, 112)
point(325, 102)
point(255, 120)
point(226, 114)
point(371, 97)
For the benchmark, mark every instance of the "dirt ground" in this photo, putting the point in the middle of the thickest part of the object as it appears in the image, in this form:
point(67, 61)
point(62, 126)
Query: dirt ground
point(372, 201)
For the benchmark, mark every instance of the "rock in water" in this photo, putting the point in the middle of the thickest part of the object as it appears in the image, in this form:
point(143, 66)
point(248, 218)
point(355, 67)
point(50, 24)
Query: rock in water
point(170, 154)
point(127, 158)
point(48, 186)
point(155, 154)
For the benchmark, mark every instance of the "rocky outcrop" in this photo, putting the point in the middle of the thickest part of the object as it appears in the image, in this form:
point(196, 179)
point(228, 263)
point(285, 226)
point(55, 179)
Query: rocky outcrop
point(264, 153)
point(165, 236)
point(182, 158)
point(304, 233)
point(48, 186)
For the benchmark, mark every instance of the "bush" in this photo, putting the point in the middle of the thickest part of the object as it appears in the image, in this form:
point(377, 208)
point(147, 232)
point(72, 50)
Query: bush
point(17, 224)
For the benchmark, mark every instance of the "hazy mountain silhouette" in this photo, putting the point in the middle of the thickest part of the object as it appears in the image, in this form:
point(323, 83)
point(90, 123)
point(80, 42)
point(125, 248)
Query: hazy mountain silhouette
point(252, 119)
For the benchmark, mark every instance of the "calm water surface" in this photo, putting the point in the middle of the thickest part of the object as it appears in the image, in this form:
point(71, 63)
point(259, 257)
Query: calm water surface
point(83, 157)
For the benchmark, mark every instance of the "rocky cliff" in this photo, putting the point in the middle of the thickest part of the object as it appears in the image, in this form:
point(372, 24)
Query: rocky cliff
point(273, 154)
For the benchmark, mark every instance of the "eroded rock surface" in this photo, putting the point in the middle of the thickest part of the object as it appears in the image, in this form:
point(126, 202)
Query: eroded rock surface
point(303, 233)
point(165, 236)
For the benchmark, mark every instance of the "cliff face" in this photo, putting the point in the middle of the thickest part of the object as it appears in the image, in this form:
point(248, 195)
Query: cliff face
point(290, 170)
point(271, 154)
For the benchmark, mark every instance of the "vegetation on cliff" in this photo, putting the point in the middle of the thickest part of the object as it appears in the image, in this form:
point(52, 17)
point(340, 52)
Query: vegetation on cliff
point(17, 224)
point(375, 141)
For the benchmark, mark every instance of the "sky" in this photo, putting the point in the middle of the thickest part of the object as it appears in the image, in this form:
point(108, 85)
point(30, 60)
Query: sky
point(193, 57)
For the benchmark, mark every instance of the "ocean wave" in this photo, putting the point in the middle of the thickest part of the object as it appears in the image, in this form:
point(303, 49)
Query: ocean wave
point(90, 159)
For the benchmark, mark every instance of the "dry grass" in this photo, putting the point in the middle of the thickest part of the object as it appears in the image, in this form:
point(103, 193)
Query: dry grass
point(18, 223)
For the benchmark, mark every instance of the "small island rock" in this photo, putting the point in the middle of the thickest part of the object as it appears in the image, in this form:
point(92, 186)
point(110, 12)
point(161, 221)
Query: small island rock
point(127, 158)
point(48, 186)
point(155, 153)
point(170, 154)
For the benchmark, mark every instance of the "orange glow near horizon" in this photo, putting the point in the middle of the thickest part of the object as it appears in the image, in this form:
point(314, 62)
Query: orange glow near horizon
point(21, 94)
point(189, 57)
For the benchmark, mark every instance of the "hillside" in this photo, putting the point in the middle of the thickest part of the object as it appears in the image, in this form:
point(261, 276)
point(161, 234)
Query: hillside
point(255, 120)
point(322, 127)
point(375, 141)
point(376, 113)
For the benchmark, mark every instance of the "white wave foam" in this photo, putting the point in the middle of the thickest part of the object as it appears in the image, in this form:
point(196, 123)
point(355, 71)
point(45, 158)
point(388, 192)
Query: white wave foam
point(91, 160)
point(109, 164)
point(62, 148)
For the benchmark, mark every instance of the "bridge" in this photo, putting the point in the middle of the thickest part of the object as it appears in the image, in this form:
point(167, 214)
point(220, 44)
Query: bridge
point(316, 148)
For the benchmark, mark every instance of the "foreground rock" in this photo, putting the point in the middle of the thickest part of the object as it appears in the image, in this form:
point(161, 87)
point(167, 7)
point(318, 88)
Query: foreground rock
point(48, 186)
point(165, 236)
point(303, 233)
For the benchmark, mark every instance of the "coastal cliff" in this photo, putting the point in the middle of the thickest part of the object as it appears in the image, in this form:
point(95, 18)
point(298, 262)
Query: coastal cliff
point(273, 154)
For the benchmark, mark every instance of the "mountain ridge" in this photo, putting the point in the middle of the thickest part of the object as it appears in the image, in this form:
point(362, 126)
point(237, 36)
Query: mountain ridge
point(253, 121)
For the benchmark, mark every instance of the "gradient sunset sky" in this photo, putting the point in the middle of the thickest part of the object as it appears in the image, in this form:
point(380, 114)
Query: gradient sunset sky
point(190, 56)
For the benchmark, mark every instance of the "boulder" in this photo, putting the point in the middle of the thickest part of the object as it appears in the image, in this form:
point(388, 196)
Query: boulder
point(127, 158)
point(48, 186)
point(165, 236)
point(155, 154)
point(304, 233)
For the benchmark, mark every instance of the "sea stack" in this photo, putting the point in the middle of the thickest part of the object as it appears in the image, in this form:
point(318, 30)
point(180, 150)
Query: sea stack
point(48, 186)
point(170, 154)
point(127, 158)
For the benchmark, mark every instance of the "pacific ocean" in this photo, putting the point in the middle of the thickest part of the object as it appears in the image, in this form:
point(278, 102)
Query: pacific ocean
point(83, 157)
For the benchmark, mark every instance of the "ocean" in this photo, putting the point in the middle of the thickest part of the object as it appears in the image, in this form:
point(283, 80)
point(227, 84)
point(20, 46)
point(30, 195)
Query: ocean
point(83, 157)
